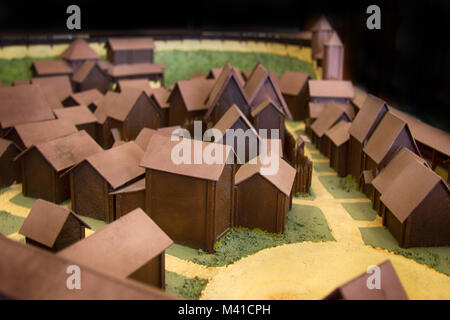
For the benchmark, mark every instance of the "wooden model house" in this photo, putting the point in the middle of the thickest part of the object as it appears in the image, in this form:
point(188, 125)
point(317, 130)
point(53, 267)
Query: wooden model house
point(214, 73)
point(44, 163)
point(415, 208)
point(323, 91)
point(187, 101)
point(390, 135)
point(149, 71)
point(52, 227)
point(59, 86)
point(227, 91)
point(51, 68)
point(92, 180)
point(81, 117)
point(294, 87)
point(338, 143)
point(79, 52)
point(89, 98)
point(128, 198)
point(91, 76)
point(141, 83)
point(333, 59)
point(130, 50)
point(159, 97)
point(262, 200)
point(331, 115)
point(103, 130)
point(132, 247)
point(269, 116)
point(357, 289)
point(321, 32)
point(9, 169)
point(196, 195)
point(362, 127)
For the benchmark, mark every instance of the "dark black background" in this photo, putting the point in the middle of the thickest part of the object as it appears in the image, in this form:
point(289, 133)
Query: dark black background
point(407, 62)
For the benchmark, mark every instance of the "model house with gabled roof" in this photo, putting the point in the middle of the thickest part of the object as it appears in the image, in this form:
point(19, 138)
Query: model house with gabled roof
point(187, 101)
point(59, 86)
point(43, 165)
point(415, 208)
point(52, 227)
point(294, 87)
point(9, 169)
point(28, 134)
point(79, 52)
point(89, 98)
point(142, 84)
point(331, 115)
point(321, 32)
point(130, 50)
point(198, 195)
point(149, 71)
point(128, 198)
point(214, 73)
point(357, 289)
point(23, 104)
point(362, 127)
point(230, 126)
point(390, 135)
point(93, 179)
point(269, 116)
point(262, 199)
point(91, 76)
point(159, 97)
point(131, 247)
point(46, 68)
point(338, 144)
point(103, 128)
point(323, 91)
point(333, 58)
point(226, 92)
point(80, 116)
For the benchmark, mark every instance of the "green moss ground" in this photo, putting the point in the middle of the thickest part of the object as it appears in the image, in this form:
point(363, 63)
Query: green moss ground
point(318, 156)
point(307, 196)
point(17, 69)
point(304, 223)
point(435, 257)
point(183, 287)
point(341, 188)
point(360, 211)
point(322, 166)
point(9, 223)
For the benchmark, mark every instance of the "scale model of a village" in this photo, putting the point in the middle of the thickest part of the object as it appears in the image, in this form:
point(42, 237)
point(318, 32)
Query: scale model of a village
point(358, 208)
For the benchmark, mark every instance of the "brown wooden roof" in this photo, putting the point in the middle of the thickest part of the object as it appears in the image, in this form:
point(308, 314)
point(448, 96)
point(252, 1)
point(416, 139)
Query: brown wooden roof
point(122, 247)
point(120, 107)
point(328, 117)
point(45, 222)
point(143, 137)
point(4, 145)
point(102, 106)
point(334, 41)
point(331, 89)
point(263, 105)
point(87, 97)
point(123, 70)
point(79, 49)
point(215, 73)
point(57, 85)
point(194, 92)
point(134, 187)
point(168, 130)
point(338, 134)
point(292, 82)
point(314, 109)
point(84, 71)
point(366, 119)
point(360, 97)
point(322, 25)
point(141, 43)
point(23, 104)
point(158, 156)
point(230, 117)
point(160, 96)
point(282, 180)
point(29, 273)
point(52, 67)
point(76, 115)
point(142, 84)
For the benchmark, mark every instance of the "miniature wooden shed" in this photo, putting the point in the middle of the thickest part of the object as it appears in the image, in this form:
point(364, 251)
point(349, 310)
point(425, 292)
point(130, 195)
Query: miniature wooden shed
point(52, 227)
point(227, 91)
point(262, 199)
point(92, 180)
point(128, 198)
point(323, 91)
point(91, 76)
point(362, 127)
point(333, 59)
point(43, 164)
point(77, 53)
point(130, 50)
point(357, 289)
point(415, 208)
point(321, 32)
point(81, 117)
point(9, 169)
point(159, 97)
point(46, 68)
point(150, 71)
point(132, 247)
point(294, 87)
point(269, 116)
point(338, 143)
point(89, 98)
point(59, 86)
point(197, 196)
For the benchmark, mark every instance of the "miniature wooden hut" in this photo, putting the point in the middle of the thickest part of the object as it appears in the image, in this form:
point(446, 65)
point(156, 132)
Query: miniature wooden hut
point(130, 50)
point(92, 180)
point(262, 199)
point(149, 71)
point(103, 129)
point(91, 76)
point(321, 32)
point(390, 135)
point(269, 116)
point(48, 68)
point(9, 169)
point(44, 163)
point(196, 195)
point(415, 208)
point(159, 97)
point(60, 86)
point(214, 73)
point(362, 127)
point(89, 98)
point(357, 289)
point(128, 198)
point(338, 147)
point(132, 247)
point(79, 52)
point(81, 117)
point(331, 115)
point(294, 87)
point(52, 227)
point(323, 91)
point(333, 59)
point(226, 92)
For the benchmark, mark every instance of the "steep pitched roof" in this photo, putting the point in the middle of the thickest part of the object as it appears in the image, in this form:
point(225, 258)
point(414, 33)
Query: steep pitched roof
point(45, 222)
point(360, 98)
point(142, 84)
point(87, 97)
point(76, 115)
point(314, 109)
point(138, 43)
point(328, 117)
point(263, 105)
point(158, 156)
point(331, 89)
point(122, 247)
point(123, 103)
point(194, 92)
point(338, 134)
point(79, 49)
point(322, 25)
point(52, 67)
point(85, 70)
point(4, 145)
point(230, 117)
point(282, 180)
point(367, 118)
point(144, 136)
point(160, 96)
point(57, 85)
point(136, 69)
point(334, 41)
point(292, 82)
point(214, 73)
point(102, 106)
point(23, 104)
